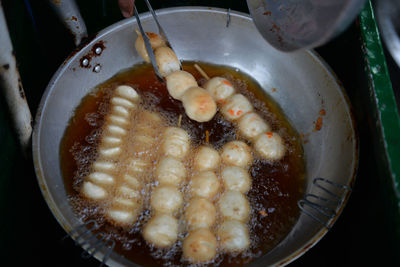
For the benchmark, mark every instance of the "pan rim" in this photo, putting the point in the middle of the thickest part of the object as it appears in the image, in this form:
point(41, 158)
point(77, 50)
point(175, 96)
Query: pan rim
point(36, 142)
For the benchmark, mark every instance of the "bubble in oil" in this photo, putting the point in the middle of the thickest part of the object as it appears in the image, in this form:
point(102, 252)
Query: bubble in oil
point(93, 119)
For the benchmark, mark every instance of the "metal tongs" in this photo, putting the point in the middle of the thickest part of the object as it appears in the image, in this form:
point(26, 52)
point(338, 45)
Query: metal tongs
point(146, 39)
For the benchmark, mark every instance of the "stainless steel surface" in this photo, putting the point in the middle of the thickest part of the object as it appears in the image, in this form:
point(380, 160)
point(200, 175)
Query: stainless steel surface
point(68, 12)
point(299, 82)
point(291, 25)
point(12, 87)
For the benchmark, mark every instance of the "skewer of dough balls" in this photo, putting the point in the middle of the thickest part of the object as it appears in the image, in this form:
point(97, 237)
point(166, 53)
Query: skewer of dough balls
point(156, 41)
point(198, 104)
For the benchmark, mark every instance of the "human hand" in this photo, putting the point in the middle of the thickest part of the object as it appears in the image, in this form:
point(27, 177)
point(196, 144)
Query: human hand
point(126, 7)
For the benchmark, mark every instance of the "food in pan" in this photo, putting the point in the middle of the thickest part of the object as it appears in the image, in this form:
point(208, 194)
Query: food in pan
point(171, 190)
point(103, 179)
point(156, 41)
point(178, 82)
point(219, 88)
point(198, 102)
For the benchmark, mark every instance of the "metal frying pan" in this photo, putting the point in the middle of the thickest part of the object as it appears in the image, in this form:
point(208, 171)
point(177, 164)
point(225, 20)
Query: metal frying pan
point(301, 83)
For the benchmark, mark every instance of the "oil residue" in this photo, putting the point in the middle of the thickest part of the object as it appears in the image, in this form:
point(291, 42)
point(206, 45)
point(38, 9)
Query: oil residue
point(276, 186)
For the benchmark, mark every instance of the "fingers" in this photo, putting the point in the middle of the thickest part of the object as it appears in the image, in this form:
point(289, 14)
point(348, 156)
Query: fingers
point(126, 7)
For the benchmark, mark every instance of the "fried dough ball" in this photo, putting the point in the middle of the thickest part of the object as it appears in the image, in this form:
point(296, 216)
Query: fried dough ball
point(236, 153)
point(161, 230)
point(219, 88)
point(92, 191)
point(234, 205)
point(120, 111)
point(200, 246)
point(176, 142)
point(251, 125)
point(200, 213)
point(236, 106)
point(206, 158)
point(115, 130)
point(103, 166)
point(236, 179)
point(170, 171)
point(233, 236)
point(270, 146)
point(127, 192)
point(205, 184)
point(123, 211)
point(101, 178)
point(178, 82)
point(127, 92)
point(167, 61)
point(109, 152)
point(149, 118)
point(137, 166)
point(148, 124)
point(142, 143)
point(166, 199)
point(117, 120)
point(110, 140)
point(122, 217)
point(198, 104)
point(156, 41)
point(131, 181)
point(120, 101)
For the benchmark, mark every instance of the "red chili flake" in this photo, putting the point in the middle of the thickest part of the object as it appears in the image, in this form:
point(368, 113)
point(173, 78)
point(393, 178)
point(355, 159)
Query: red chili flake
point(226, 82)
point(269, 134)
point(239, 112)
point(232, 112)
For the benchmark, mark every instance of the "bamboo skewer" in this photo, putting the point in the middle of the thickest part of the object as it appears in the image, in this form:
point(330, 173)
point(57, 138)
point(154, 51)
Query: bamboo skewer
point(202, 72)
